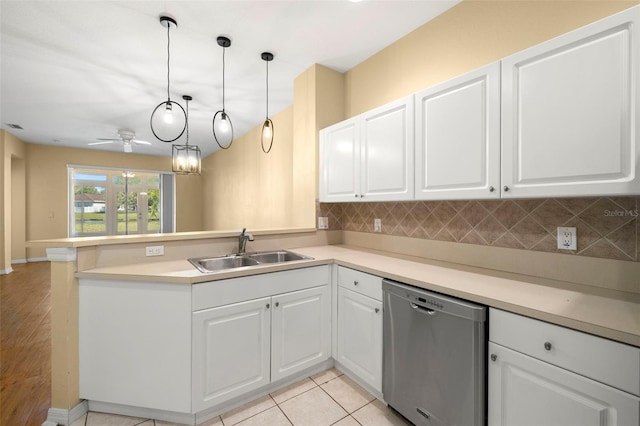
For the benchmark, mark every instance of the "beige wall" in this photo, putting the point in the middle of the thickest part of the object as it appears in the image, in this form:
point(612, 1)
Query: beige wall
point(47, 183)
point(18, 210)
point(244, 187)
point(12, 151)
point(467, 36)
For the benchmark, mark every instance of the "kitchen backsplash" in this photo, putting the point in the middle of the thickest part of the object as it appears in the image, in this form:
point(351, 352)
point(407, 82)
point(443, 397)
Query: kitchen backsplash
point(606, 227)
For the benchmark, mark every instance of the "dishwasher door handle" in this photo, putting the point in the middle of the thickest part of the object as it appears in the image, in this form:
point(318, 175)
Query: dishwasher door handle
point(422, 309)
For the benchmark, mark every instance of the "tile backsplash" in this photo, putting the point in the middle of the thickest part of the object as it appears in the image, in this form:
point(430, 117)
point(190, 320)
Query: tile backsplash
point(606, 227)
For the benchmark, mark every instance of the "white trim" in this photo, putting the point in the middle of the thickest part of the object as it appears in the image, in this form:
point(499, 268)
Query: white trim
point(18, 261)
point(145, 413)
point(6, 271)
point(62, 254)
point(37, 259)
point(61, 416)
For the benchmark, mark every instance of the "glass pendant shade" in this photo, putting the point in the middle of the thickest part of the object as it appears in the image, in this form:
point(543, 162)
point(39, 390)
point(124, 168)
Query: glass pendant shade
point(168, 119)
point(267, 133)
point(186, 159)
point(222, 125)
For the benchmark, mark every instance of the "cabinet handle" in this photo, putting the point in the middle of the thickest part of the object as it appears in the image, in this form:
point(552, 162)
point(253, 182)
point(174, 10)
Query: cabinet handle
point(355, 283)
point(268, 306)
point(494, 357)
point(277, 304)
point(357, 195)
point(491, 189)
point(377, 310)
point(547, 346)
point(506, 188)
point(361, 195)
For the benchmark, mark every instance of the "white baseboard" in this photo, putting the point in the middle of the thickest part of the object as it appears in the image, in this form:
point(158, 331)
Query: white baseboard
point(37, 259)
point(145, 413)
point(17, 261)
point(61, 416)
point(6, 271)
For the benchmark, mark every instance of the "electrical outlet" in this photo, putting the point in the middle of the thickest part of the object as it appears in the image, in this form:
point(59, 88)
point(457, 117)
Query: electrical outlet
point(154, 250)
point(323, 223)
point(567, 238)
point(377, 225)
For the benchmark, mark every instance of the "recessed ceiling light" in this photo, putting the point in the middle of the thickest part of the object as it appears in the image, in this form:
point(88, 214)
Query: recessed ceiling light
point(14, 126)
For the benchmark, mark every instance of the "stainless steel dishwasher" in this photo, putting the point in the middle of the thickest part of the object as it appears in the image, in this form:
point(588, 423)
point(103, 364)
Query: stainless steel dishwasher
point(434, 357)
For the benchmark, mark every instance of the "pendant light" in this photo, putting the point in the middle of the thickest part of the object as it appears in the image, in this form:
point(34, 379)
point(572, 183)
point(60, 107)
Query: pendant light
point(222, 126)
point(168, 119)
point(187, 159)
point(266, 135)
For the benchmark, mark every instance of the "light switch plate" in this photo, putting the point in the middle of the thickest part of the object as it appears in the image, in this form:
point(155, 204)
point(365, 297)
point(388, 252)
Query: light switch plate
point(567, 238)
point(377, 225)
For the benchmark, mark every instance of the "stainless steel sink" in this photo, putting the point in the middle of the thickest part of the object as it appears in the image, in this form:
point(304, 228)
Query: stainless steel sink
point(276, 256)
point(233, 261)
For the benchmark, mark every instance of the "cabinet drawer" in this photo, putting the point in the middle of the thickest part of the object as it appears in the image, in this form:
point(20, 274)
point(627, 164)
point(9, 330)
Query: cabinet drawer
point(360, 282)
point(606, 361)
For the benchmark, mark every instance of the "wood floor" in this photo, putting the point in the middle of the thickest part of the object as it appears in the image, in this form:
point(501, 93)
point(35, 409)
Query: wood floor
point(25, 345)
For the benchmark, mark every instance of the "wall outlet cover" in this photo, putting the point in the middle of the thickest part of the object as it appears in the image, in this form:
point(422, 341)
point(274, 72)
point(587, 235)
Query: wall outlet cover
point(377, 225)
point(323, 223)
point(154, 250)
point(567, 238)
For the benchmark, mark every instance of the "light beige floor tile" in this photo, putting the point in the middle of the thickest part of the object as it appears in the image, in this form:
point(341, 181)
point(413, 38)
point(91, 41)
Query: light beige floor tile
point(216, 421)
point(245, 411)
point(103, 419)
point(80, 422)
point(325, 376)
point(377, 414)
point(347, 421)
point(165, 423)
point(347, 393)
point(271, 417)
point(292, 390)
point(312, 408)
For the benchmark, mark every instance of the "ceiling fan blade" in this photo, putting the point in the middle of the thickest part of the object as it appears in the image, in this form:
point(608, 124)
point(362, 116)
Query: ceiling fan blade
point(100, 143)
point(108, 139)
point(138, 142)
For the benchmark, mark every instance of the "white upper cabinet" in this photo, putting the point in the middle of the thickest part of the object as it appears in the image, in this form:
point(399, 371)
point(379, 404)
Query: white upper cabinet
point(386, 152)
point(570, 113)
point(369, 157)
point(458, 137)
point(340, 162)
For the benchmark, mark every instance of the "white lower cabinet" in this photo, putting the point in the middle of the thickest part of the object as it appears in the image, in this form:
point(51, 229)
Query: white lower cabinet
point(231, 351)
point(359, 329)
point(550, 375)
point(300, 331)
point(360, 336)
point(243, 346)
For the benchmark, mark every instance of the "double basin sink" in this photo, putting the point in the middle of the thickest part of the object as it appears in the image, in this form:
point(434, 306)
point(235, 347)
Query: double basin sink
point(233, 261)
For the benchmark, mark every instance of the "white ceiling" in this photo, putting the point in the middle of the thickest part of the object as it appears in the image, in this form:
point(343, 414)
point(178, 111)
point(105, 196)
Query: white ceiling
point(75, 71)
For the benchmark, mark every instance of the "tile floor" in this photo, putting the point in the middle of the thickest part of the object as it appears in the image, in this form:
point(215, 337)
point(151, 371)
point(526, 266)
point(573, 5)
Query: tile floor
point(327, 398)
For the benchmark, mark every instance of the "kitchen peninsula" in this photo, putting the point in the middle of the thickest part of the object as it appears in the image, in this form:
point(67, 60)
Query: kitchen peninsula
point(602, 311)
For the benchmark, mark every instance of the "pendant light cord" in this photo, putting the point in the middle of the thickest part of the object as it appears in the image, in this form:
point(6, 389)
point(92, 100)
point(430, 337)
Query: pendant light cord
point(187, 116)
point(267, 117)
point(168, 60)
point(224, 50)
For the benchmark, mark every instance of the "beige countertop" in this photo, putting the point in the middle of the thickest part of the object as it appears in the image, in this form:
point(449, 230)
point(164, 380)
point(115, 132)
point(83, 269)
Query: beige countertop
point(606, 313)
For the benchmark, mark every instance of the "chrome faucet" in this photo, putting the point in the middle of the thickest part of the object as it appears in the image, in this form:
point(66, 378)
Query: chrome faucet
point(242, 240)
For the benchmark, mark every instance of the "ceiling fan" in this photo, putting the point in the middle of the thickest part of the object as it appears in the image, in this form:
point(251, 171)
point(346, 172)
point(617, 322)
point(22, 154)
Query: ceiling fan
point(127, 137)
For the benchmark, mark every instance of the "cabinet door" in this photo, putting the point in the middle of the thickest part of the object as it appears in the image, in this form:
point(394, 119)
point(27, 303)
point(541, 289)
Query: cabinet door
point(231, 347)
point(386, 152)
point(526, 391)
point(360, 336)
point(301, 331)
point(340, 162)
point(571, 113)
point(458, 137)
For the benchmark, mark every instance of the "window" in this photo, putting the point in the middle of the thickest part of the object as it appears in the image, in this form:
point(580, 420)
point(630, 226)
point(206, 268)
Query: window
point(119, 202)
